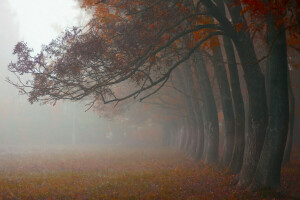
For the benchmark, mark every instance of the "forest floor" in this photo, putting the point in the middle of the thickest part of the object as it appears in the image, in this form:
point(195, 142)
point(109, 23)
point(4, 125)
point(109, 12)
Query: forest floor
point(111, 172)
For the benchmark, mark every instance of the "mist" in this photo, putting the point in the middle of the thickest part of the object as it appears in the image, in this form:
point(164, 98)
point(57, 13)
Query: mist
point(25, 124)
point(149, 99)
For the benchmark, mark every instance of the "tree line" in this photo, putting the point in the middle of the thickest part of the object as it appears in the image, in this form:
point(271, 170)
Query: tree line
point(193, 50)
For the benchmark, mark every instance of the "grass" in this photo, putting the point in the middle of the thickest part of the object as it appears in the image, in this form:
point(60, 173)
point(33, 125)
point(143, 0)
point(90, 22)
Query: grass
point(110, 172)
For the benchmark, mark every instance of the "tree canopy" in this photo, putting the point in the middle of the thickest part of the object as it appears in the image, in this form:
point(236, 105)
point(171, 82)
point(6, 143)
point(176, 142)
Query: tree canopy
point(139, 42)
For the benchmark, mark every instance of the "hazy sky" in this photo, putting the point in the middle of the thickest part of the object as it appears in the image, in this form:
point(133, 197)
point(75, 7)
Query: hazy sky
point(37, 22)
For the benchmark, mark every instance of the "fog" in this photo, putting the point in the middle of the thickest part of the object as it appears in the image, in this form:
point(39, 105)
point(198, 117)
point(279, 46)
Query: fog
point(21, 122)
point(170, 99)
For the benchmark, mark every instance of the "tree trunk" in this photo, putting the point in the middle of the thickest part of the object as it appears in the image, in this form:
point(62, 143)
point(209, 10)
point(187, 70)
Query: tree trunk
point(257, 108)
point(200, 138)
point(184, 135)
point(210, 115)
point(181, 135)
point(197, 148)
point(269, 167)
point(257, 115)
point(257, 118)
point(289, 143)
point(239, 112)
point(191, 149)
point(221, 74)
point(186, 85)
point(188, 135)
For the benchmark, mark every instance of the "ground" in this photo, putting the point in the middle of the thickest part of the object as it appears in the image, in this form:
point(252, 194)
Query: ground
point(116, 172)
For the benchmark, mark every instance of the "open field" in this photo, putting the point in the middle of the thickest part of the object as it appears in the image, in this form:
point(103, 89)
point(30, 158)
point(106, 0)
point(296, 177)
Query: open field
point(110, 172)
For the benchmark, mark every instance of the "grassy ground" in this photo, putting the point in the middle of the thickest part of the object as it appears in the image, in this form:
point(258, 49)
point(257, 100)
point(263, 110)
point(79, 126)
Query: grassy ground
point(121, 173)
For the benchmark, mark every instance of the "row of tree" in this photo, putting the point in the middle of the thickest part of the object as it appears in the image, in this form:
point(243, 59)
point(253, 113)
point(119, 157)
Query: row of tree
point(186, 45)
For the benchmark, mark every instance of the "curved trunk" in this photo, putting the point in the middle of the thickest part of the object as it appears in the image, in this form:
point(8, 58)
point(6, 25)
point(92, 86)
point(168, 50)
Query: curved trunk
point(191, 148)
point(257, 115)
point(200, 137)
point(195, 110)
point(257, 108)
point(221, 74)
point(210, 115)
point(236, 160)
point(181, 137)
point(188, 135)
point(185, 79)
point(269, 167)
point(289, 143)
point(184, 136)
point(239, 112)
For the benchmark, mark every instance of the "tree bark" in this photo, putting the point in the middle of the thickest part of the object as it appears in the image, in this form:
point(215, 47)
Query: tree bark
point(193, 107)
point(257, 115)
point(269, 167)
point(186, 85)
point(238, 102)
point(289, 143)
point(257, 108)
point(200, 139)
point(197, 148)
point(184, 135)
point(210, 115)
point(226, 101)
point(188, 134)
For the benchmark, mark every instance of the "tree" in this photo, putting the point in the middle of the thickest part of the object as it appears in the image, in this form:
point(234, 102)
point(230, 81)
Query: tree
point(268, 171)
point(226, 101)
point(210, 114)
point(289, 144)
point(140, 44)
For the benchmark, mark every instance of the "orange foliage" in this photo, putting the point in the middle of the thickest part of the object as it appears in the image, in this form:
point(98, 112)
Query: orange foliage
point(283, 12)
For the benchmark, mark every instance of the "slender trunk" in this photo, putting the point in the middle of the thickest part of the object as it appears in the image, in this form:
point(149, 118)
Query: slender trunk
point(197, 113)
point(239, 112)
point(182, 85)
point(186, 86)
point(199, 131)
point(269, 166)
point(257, 108)
point(192, 127)
point(267, 82)
point(289, 144)
point(181, 137)
point(188, 135)
point(221, 74)
point(200, 139)
point(257, 111)
point(185, 78)
point(210, 115)
point(173, 127)
point(184, 135)
point(238, 103)
point(191, 148)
